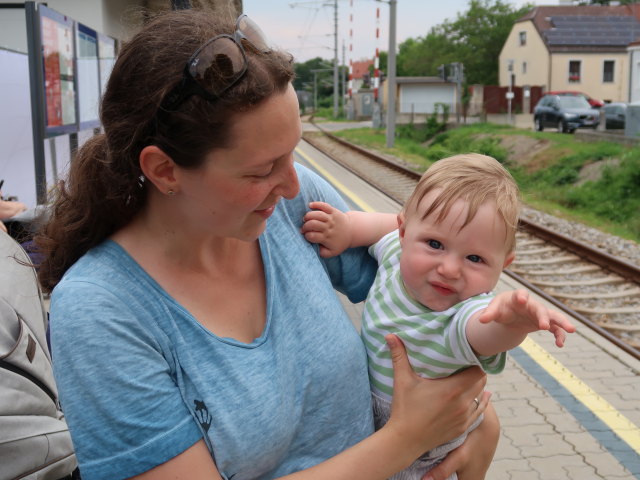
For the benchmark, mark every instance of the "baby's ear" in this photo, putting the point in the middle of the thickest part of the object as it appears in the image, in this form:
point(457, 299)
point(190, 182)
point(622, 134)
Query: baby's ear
point(401, 225)
point(510, 258)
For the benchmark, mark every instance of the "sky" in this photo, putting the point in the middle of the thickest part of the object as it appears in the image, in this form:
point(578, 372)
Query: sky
point(306, 28)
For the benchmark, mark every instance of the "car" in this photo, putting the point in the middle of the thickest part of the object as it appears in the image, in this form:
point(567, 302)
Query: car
point(566, 113)
point(615, 115)
point(595, 103)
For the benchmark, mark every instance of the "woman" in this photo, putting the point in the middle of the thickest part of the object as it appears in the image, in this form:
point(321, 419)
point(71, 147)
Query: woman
point(195, 333)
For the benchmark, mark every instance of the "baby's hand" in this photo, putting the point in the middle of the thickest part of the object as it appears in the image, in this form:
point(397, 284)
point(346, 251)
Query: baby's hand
point(517, 309)
point(329, 227)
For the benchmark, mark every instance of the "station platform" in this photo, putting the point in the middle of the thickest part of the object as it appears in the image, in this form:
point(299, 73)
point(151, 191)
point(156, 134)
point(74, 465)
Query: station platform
point(569, 413)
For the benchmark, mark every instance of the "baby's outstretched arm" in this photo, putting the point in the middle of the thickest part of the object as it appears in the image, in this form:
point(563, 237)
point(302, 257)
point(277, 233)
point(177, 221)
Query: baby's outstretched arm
point(336, 231)
point(509, 318)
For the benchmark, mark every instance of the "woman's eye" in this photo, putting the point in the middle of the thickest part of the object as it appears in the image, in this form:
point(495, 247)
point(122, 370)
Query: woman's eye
point(263, 174)
point(475, 258)
point(434, 244)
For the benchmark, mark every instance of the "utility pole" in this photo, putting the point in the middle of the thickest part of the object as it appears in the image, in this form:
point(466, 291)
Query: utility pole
point(315, 86)
point(336, 88)
point(344, 80)
point(510, 92)
point(458, 77)
point(391, 76)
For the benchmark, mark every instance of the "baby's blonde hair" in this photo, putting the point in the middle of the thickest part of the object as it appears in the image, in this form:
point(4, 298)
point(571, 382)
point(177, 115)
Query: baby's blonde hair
point(475, 179)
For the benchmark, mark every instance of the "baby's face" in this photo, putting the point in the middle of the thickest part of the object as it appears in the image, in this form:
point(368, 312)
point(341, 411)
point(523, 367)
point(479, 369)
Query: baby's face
point(442, 265)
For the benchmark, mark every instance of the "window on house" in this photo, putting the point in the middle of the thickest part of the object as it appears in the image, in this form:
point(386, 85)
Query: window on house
point(607, 71)
point(524, 67)
point(523, 38)
point(574, 71)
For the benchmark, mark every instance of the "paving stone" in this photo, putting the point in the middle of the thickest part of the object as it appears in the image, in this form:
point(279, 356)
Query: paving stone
point(551, 467)
point(584, 443)
point(564, 422)
point(524, 418)
point(550, 445)
point(507, 450)
point(512, 470)
point(580, 472)
point(547, 405)
point(607, 466)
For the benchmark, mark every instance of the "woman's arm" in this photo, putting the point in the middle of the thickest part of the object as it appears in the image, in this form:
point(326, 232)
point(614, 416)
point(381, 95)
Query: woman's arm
point(411, 431)
point(195, 463)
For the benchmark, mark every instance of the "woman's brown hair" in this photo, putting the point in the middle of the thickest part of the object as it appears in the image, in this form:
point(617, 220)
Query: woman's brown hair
point(105, 188)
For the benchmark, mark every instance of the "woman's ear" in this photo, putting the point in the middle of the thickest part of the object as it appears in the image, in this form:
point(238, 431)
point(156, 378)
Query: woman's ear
point(159, 169)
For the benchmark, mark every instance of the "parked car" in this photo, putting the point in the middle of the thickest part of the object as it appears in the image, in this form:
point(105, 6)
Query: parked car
point(566, 113)
point(595, 103)
point(615, 115)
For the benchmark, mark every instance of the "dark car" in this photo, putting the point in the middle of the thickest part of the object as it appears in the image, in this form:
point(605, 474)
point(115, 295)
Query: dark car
point(594, 102)
point(565, 113)
point(615, 115)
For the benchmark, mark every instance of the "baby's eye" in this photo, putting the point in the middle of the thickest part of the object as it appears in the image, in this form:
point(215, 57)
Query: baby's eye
point(475, 258)
point(435, 244)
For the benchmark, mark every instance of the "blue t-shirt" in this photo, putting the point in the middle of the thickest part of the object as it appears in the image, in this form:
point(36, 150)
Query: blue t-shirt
point(141, 380)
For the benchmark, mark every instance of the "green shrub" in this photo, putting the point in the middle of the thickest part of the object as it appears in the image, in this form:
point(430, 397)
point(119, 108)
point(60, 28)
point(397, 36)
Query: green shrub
point(424, 132)
point(615, 196)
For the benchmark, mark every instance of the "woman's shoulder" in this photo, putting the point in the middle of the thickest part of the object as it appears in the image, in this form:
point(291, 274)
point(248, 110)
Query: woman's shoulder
point(102, 262)
point(105, 274)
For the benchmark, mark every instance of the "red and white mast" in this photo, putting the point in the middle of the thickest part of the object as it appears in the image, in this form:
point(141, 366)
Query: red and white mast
point(376, 62)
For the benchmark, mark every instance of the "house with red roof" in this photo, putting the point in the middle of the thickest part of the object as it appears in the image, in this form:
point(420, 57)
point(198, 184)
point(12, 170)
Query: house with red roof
point(577, 48)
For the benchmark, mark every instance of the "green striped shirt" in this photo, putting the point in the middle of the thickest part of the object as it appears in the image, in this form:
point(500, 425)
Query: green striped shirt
point(435, 341)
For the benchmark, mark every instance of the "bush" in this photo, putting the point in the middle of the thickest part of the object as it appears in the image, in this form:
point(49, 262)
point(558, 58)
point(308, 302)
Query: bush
point(425, 132)
point(615, 196)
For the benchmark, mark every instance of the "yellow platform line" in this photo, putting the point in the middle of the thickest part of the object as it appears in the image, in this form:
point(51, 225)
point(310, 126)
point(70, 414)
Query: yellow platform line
point(331, 179)
point(618, 423)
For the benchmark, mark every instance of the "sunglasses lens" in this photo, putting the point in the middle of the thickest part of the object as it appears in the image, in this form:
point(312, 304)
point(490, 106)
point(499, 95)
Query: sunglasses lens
point(252, 32)
point(218, 65)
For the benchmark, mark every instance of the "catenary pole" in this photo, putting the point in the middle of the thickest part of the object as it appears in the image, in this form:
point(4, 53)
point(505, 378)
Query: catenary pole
point(391, 76)
point(336, 89)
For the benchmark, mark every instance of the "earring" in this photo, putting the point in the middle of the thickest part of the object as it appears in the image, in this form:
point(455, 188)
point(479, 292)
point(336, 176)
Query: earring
point(171, 192)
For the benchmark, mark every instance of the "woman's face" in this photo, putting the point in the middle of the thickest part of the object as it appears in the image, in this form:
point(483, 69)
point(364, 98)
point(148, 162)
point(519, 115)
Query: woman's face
point(237, 188)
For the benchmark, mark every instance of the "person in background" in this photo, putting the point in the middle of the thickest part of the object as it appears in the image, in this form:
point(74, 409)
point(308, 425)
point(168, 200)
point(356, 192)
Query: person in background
point(436, 273)
point(8, 209)
point(195, 333)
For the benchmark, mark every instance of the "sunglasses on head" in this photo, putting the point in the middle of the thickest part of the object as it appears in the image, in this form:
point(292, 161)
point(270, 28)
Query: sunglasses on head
point(217, 65)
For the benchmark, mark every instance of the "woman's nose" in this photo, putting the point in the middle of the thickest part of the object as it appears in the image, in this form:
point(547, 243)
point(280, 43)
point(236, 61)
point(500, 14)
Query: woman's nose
point(289, 185)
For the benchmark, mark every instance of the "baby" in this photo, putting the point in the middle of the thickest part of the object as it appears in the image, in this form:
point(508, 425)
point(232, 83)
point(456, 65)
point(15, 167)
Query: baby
point(455, 235)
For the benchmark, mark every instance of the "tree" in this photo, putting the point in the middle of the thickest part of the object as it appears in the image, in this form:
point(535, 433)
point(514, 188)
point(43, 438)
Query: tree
point(304, 72)
point(474, 38)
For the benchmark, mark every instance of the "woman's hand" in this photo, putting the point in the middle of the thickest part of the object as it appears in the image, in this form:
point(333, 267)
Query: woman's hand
point(428, 413)
point(472, 459)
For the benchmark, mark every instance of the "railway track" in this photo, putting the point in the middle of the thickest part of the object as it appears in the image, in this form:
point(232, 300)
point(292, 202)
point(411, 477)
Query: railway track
point(598, 289)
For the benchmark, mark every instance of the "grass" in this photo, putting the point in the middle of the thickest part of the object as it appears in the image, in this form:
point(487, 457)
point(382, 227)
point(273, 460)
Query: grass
point(551, 180)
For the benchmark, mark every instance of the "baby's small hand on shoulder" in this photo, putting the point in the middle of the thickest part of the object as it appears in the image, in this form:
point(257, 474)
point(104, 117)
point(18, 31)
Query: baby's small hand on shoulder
point(327, 226)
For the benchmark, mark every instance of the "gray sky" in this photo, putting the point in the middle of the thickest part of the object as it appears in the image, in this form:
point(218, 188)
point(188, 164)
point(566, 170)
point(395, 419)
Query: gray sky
point(306, 27)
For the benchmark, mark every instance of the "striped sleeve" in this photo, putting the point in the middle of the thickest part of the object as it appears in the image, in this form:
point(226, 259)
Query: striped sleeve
point(491, 364)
